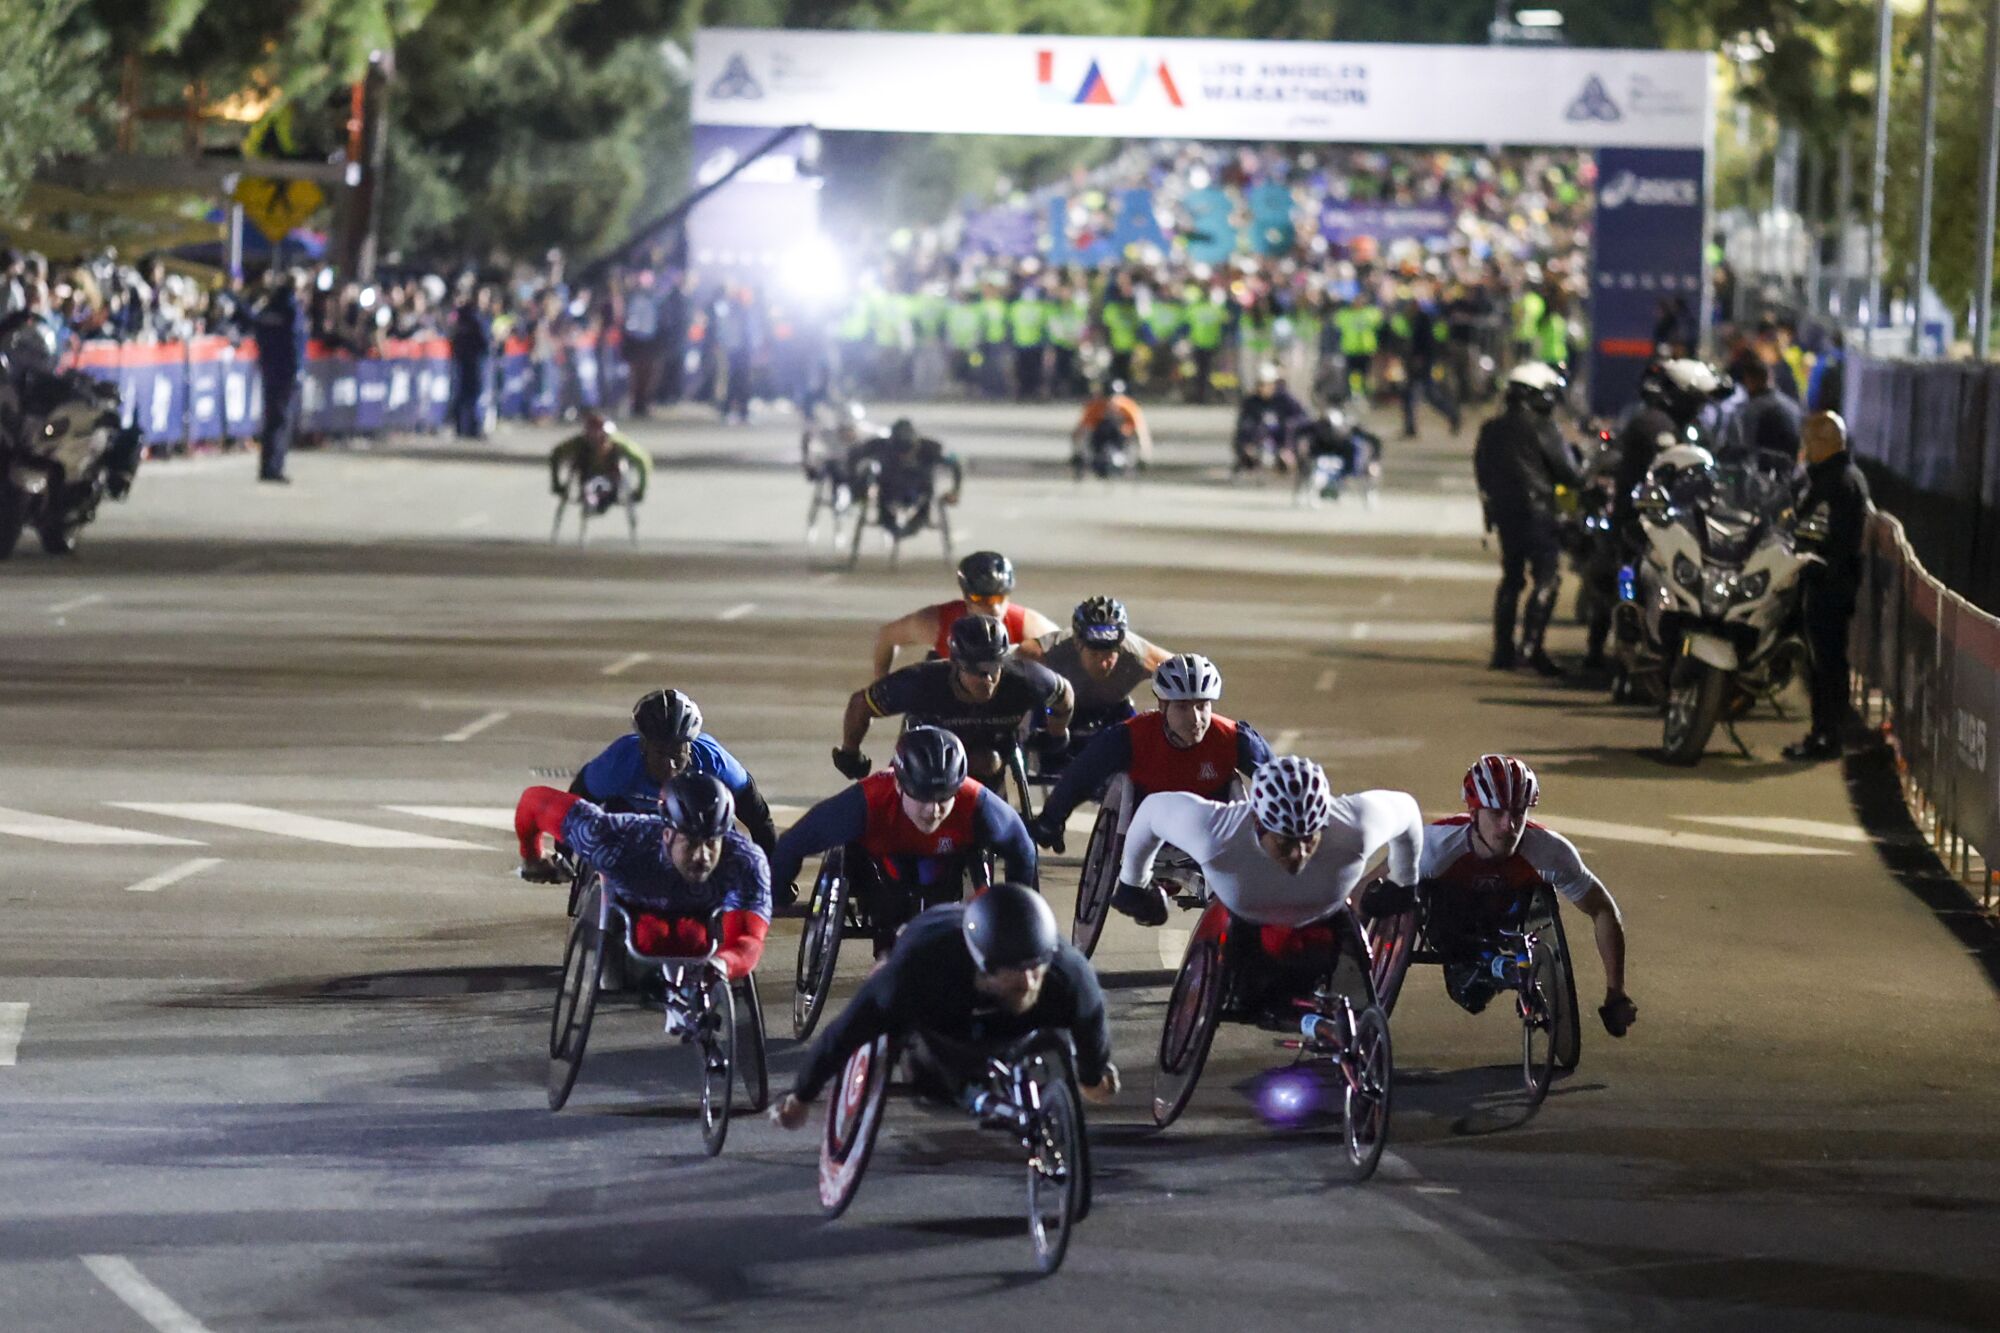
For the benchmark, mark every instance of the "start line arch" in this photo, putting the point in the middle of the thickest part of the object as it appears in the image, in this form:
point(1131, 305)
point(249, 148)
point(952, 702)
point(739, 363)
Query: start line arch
point(1648, 116)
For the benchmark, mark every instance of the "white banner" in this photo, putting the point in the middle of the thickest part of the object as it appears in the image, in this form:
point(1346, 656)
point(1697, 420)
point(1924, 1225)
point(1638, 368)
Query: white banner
point(1171, 88)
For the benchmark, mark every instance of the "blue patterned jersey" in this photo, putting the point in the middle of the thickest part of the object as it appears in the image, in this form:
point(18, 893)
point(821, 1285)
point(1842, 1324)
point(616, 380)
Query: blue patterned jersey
point(631, 853)
point(621, 770)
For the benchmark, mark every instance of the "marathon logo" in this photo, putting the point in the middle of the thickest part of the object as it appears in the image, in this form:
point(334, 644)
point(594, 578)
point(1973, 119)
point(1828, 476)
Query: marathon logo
point(1594, 103)
point(1208, 773)
point(1095, 89)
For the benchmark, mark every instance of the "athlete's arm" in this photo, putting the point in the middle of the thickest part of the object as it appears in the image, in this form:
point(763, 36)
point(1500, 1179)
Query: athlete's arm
point(838, 820)
point(755, 812)
point(540, 814)
point(1182, 818)
point(950, 463)
point(1089, 1025)
point(1001, 832)
point(867, 1016)
point(1150, 654)
point(918, 627)
point(1609, 927)
point(1034, 625)
point(1562, 866)
point(1392, 818)
point(1107, 755)
point(1252, 750)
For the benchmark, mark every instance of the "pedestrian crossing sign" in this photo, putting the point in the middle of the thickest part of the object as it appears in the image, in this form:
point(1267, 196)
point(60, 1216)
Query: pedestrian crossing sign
point(276, 207)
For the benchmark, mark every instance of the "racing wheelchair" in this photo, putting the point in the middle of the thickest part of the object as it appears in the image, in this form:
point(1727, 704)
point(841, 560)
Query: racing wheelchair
point(724, 1019)
point(1518, 944)
point(1026, 1091)
point(1106, 849)
point(595, 496)
point(1226, 972)
point(897, 515)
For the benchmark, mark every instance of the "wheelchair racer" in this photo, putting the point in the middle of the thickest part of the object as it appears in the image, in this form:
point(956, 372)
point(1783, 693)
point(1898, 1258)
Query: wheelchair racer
point(906, 465)
point(613, 467)
point(1180, 746)
point(1476, 868)
point(981, 693)
point(672, 871)
point(1109, 417)
point(916, 827)
point(985, 580)
point(964, 982)
point(666, 741)
point(1103, 661)
point(1284, 861)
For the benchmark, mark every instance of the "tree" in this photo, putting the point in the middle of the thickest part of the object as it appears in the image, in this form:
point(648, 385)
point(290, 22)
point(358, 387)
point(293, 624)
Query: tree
point(49, 79)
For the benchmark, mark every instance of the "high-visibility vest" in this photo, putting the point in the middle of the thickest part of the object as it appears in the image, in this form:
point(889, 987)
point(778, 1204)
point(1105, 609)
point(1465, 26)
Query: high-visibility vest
point(1205, 323)
point(961, 324)
point(1065, 325)
point(854, 324)
point(1554, 337)
point(1028, 318)
point(1359, 327)
point(927, 316)
point(1121, 325)
point(993, 320)
point(1528, 312)
point(892, 315)
point(1164, 320)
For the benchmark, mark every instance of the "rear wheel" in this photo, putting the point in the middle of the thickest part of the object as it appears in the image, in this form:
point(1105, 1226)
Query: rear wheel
point(1694, 702)
point(860, 530)
point(1538, 1026)
point(750, 1045)
point(853, 1119)
point(1058, 1170)
point(1547, 921)
point(819, 943)
point(576, 1001)
point(718, 1061)
point(1370, 1069)
point(1097, 883)
point(1193, 1008)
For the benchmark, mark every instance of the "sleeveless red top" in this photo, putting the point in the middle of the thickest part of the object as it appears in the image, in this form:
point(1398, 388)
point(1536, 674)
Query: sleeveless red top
point(1014, 616)
point(1159, 765)
point(890, 832)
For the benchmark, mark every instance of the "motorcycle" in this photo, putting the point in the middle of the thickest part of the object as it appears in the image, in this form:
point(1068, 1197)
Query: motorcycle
point(1585, 530)
point(1708, 619)
point(63, 448)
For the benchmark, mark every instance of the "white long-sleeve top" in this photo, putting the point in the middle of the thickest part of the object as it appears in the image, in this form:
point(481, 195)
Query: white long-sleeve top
point(1222, 839)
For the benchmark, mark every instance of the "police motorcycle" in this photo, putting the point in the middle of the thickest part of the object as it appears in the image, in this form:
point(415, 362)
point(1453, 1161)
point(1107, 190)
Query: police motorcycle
point(1708, 618)
point(63, 447)
point(1584, 525)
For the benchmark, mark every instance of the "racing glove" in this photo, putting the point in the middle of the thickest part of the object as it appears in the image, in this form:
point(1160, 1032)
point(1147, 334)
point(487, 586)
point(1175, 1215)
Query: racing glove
point(1046, 832)
point(1619, 1014)
point(851, 763)
point(1385, 897)
point(1147, 906)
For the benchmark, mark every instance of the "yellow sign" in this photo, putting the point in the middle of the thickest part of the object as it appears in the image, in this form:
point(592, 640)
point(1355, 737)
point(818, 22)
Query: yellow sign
point(276, 206)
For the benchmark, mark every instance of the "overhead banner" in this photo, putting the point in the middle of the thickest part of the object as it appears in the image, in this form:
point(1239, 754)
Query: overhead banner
point(1646, 265)
point(1188, 88)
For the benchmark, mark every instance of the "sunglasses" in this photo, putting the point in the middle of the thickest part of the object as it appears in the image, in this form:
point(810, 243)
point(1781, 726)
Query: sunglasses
point(986, 598)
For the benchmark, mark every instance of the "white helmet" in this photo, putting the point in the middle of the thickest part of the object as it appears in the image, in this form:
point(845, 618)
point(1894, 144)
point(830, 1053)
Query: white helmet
point(1684, 473)
point(1291, 797)
point(1691, 376)
point(1268, 373)
point(1537, 375)
point(1188, 676)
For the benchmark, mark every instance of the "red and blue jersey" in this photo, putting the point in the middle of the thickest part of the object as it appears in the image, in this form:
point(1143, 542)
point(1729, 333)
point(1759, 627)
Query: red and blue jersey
point(1141, 749)
point(870, 815)
point(1013, 616)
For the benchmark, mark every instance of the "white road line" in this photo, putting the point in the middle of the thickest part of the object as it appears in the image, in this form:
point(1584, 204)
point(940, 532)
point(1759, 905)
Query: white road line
point(76, 833)
point(1325, 682)
point(786, 815)
point(1798, 828)
point(474, 727)
point(626, 663)
point(147, 1301)
point(311, 828)
point(13, 1022)
point(174, 876)
point(472, 521)
point(738, 611)
point(1395, 1167)
point(76, 604)
point(1436, 1189)
point(479, 816)
point(1675, 838)
point(1283, 742)
point(1173, 943)
point(1362, 629)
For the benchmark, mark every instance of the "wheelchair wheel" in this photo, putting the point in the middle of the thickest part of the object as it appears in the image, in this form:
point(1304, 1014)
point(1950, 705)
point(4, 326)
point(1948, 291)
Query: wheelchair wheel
point(853, 1119)
point(1364, 1112)
point(1058, 1166)
point(1538, 1004)
point(1569, 1028)
point(1024, 794)
point(860, 531)
point(718, 1061)
point(819, 943)
point(1095, 886)
point(576, 1000)
point(1193, 1008)
point(579, 884)
point(1391, 941)
point(750, 1048)
point(944, 531)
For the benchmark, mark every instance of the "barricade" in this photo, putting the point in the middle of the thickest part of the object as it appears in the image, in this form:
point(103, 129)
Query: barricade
point(209, 390)
point(1927, 671)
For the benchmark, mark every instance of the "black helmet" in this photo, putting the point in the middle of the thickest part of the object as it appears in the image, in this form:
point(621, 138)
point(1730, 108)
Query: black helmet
point(1099, 622)
point(986, 574)
point(666, 717)
point(698, 806)
point(978, 640)
point(929, 763)
point(1009, 925)
point(903, 431)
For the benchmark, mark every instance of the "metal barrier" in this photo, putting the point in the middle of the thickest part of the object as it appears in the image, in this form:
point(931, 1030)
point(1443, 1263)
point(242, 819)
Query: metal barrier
point(1927, 672)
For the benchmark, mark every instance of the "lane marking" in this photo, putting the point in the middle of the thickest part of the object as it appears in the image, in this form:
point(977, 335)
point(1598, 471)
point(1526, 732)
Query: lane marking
point(76, 603)
point(1798, 828)
point(738, 611)
point(311, 828)
point(1362, 629)
point(479, 816)
point(144, 1299)
point(1691, 842)
point(1395, 1167)
point(1435, 1189)
point(1325, 682)
point(13, 1021)
point(471, 521)
point(1173, 943)
point(626, 663)
point(1283, 742)
point(474, 727)
point(174, 876)
point(76, 833)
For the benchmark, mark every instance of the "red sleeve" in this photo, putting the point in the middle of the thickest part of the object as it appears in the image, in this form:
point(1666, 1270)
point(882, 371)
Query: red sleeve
point(541, 810)
point(742, 942)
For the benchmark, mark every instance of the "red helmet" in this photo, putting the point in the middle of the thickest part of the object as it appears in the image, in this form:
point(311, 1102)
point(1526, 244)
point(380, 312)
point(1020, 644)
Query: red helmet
point(1501, 782)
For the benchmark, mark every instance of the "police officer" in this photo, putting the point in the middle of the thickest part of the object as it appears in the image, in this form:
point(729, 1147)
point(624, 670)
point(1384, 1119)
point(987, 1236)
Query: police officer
point(280, 333)
point(1833, 521)
point(471, 362)
point(1519, 461)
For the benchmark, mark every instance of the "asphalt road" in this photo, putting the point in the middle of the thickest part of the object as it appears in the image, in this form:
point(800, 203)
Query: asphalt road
point(263, 1071)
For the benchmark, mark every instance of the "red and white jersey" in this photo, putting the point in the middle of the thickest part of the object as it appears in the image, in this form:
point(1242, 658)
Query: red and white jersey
point(1544, 857)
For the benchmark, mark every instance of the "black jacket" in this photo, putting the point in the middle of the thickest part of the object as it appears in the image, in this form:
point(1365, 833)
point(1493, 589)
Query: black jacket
point(1519, 461)
point(1837, 493)
point(1638, 444)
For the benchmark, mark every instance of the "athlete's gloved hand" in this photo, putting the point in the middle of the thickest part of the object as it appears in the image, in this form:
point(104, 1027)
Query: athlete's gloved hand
point(852, 763)
point(784, 895)
point(1046, 833)
point(543, 870)
point(1385, 897)
point(1618, 1013)
point(1146, 905)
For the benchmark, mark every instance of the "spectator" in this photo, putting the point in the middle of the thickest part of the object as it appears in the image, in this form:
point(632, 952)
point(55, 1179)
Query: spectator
point(280, 331)
point(471, 362)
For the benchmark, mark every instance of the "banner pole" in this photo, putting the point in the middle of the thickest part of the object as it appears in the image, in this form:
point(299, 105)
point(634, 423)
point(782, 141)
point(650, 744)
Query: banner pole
point(1885, 21)
point(1989, 168)
point(1927, 172)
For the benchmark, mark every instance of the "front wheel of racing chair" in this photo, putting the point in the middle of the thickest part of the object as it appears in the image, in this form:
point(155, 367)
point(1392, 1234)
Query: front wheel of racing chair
point(1194, 1008)
point(853, 1121)
point(576, 996)
point(1545, 917)
point(751, 1060)
point(819, 942)
point(1097, 882)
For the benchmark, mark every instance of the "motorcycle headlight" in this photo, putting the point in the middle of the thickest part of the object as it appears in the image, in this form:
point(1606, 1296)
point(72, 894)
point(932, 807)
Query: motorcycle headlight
point(1686, 573)
point(1750, 589)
